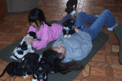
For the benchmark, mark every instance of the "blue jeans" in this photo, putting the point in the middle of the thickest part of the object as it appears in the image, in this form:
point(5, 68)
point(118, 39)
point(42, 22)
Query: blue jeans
point(97, 23)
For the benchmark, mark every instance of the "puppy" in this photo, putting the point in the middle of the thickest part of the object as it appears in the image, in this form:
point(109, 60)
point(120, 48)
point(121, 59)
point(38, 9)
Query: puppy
point(19, 69)
point(68, 28)
point(70, 6)
point(49, 64)
point(30, 61)
point(23, 47)
point(14, 68)
point(40, 72)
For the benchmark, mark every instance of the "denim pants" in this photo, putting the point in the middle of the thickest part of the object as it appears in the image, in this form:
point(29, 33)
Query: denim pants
point(97, 22)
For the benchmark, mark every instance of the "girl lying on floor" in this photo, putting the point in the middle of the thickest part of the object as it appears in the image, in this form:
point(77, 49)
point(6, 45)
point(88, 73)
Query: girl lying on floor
point(79, 45)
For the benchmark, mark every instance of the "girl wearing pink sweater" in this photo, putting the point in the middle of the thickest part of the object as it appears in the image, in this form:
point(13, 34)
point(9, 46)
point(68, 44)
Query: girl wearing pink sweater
point(44, 32)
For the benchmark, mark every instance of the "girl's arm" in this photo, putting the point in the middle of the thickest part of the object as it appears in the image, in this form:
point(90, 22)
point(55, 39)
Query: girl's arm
point(83, 34)
point(43, 42)
point(76, 29)
point(39, 44)
point(36, 43)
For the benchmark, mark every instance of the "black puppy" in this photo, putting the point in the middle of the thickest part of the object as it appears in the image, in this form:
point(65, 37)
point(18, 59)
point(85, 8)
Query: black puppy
point(24, 68)
point(69, 6)
point(14, 68)
point(49, 64)
point(31, 60)
point(41, 71)
point(68, 28)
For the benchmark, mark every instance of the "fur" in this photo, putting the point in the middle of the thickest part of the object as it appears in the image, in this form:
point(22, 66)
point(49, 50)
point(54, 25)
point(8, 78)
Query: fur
point(68, 28)
point(24, 68)
point(48, 64)
point(23, 48)
point(69, 6)
point(31, 60)
point(14, 68)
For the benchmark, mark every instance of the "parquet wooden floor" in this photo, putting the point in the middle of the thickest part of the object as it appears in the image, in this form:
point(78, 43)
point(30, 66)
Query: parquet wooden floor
point(104, 66)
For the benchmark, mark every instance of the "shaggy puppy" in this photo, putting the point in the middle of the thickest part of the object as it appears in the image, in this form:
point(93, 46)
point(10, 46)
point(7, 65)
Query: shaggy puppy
point(23, 47)
point(48, 64)
point(30, 61)
point(69, 6)
point(14, 68)
point(25, 68)
point(41, 72)
point(68, 28)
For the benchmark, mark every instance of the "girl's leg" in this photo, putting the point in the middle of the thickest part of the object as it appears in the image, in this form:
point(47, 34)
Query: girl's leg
point(82, 18)
point(64, 19)
point(105, 17)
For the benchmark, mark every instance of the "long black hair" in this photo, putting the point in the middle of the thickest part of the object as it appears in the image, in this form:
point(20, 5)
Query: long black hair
point(37, 14)
point(52, 57)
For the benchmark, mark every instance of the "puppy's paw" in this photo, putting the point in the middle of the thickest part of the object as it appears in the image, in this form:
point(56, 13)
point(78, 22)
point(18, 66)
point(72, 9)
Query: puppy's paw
point(73, 13)
point(68, 36)
point(65, 36)
point(34, 79)
point(25, 76)
point(23, 59)
point(39, 58)
point(52, 72)
point(32, 51)
point(12, 57)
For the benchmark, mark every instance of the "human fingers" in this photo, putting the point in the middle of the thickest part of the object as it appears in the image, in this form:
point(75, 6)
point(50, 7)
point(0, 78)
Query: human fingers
point(76, 29)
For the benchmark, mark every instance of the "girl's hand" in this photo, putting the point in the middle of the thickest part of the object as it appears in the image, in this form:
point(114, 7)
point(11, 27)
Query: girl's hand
point(76, 29)
point(29, 40)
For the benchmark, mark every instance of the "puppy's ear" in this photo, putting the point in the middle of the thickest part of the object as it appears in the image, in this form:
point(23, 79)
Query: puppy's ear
point(33, 34)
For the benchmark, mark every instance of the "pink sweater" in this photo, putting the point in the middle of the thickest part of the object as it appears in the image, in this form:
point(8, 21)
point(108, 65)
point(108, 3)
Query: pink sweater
point(46, 34)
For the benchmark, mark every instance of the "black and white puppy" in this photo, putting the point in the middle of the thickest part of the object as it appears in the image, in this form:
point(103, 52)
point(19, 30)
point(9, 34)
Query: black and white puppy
point(68, 28)
point(30, 61)
point(23, 47)
point(24, 68)
point(70, 6)
point(41, 72)
point(48, 64)
point(14, 68)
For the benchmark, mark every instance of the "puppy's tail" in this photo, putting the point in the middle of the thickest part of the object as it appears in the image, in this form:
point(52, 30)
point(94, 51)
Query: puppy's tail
point(3, 72)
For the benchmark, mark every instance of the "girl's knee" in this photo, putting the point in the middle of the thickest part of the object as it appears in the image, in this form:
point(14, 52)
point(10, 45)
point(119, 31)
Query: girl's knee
point(81, 14)
point(106, 11)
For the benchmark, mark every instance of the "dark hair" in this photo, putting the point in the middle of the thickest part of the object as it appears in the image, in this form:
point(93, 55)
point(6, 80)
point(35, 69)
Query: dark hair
point(37, 14)
point(52, 57)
